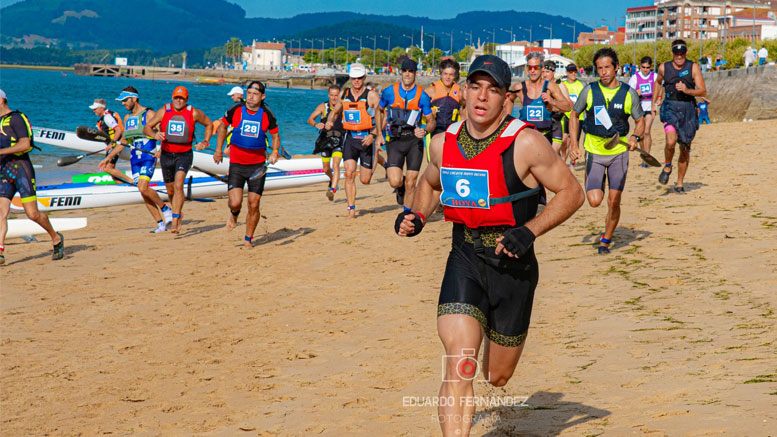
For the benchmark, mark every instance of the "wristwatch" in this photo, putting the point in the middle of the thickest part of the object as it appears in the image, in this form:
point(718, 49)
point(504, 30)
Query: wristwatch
point(637, 137)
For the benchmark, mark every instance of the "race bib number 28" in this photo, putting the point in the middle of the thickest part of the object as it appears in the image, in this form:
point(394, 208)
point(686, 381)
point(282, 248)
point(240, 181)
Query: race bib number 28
point(464, 188)
point(250, 129)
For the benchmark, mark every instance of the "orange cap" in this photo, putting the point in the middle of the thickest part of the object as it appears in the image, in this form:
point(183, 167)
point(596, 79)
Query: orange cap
point(181, 91)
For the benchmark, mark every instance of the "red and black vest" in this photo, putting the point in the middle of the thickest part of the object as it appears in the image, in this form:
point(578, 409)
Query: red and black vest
point(485, 190)
point(178, 127)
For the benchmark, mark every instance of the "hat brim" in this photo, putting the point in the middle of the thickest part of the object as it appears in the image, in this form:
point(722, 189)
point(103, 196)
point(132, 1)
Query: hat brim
point(94, 106)
point(499, 82)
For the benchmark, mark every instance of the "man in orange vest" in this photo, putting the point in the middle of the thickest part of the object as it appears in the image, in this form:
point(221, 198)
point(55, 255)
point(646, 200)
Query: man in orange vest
point(445, 94)
point(404, 104)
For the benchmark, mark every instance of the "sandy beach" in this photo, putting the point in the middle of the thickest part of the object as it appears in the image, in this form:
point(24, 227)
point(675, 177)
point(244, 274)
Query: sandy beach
point(327, 326)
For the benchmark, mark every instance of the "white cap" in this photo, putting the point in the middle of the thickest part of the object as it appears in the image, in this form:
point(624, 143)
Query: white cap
point(235, 90)
point(2, 95)
point(98, 103)
point(357, 70)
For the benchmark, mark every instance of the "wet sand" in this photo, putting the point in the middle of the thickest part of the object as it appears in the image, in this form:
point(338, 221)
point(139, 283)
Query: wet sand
point(327, 325)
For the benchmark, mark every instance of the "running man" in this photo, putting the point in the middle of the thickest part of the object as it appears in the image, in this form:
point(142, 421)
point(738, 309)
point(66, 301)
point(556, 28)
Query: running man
point(176, 123)
point(142, 159)
point(488, 170)
point(573, 88)
point(445, 95)
point(250, 123)
point(406, 102)
point(556, 115)
point(363, 138)
point(110, 123)
point(642, 82)
point(682, 82)
point(537, 110)
point(329, 142)
point(18, 176)
point(607, 105)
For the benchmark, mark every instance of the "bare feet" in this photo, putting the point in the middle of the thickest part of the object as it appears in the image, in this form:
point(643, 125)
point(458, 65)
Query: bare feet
point(231, 222)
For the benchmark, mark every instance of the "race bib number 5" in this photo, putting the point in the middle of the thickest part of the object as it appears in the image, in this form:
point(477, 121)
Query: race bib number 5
point(464, 188)
point(176, 128)
point(352, 117)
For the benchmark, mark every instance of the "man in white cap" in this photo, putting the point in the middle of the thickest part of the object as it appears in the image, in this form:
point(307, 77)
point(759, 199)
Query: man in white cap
point(110, 123)
point(363, 137)
point(18, 176)
point(237, 94)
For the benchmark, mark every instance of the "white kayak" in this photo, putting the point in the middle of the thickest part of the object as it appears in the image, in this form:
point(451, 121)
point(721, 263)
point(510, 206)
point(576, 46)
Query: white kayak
point(24, 227)
point(202, 161)
point(198, 185)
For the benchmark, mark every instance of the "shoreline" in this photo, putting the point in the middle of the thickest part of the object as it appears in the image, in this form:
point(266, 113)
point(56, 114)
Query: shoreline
point(36, 67)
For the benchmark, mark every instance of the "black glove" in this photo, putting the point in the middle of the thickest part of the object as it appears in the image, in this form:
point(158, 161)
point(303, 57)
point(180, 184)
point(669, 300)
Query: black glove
point(418, 223)
point(518, 240)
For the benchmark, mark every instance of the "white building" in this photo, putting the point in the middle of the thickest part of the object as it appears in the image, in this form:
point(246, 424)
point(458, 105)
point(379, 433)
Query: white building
point(264, 56)
point(511, 52)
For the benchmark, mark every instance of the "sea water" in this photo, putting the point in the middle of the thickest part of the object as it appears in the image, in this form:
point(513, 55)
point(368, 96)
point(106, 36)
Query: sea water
point(60, 100)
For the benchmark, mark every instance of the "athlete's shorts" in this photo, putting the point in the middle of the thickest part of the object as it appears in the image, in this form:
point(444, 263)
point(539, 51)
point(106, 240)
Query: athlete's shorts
point(682, 116)
point(408, 148)
point(327, 155)
point(17, 175)
point(353, 149)
point(647, 106)
point(565, 127)
point(611, 167)
point(555, 134)
point(239, 174)
point(500, 299)
point(143, 166)
point(172, 163)
point(115, 159)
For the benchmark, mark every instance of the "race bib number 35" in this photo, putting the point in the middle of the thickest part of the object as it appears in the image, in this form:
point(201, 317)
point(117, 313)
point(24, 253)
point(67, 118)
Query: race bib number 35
point(176, 128)
point(464, 188)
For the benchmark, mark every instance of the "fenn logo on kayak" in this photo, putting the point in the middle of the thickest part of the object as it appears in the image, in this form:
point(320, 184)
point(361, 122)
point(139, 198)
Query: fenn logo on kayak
point(61, 202)
point(51, 134)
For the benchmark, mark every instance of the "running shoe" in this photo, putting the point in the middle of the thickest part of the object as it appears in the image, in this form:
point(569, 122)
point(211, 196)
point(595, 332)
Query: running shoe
point(59, 249)
point(160, 228)
point(679, 189)
point(330, 194)
point(168, 213)
point(2, 258)
point(663, 178)
point(604, 250)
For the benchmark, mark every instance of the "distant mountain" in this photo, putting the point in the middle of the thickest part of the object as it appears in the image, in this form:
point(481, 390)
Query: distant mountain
point(174, 25)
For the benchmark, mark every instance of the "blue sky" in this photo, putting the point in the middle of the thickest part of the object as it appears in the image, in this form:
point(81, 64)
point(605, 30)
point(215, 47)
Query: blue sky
point(584, 10)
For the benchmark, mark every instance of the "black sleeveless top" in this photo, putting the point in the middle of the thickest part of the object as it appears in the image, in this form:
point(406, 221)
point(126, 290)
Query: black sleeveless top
point(672, 76)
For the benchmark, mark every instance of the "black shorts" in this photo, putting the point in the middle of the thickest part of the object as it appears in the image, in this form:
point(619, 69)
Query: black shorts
point(17, 176)
point(555, 134)
point(239, 174)
point(172, 163)
point(353, 149)
point(115, 159)
point(410, 148)
point(565, 127)
point(499, 298)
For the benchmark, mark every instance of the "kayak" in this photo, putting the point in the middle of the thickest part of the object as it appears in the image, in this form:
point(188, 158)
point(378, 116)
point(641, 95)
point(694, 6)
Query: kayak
point(24, 227)
point(202, 161)
point(197, 185)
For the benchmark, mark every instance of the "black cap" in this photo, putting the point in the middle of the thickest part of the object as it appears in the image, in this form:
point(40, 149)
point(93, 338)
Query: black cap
point(409, 64)
point(494, 67)
point(571, 67)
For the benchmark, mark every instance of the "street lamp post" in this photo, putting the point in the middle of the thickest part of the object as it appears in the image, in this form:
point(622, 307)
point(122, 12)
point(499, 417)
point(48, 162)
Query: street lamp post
point(409, 36)
point(374, 48)
point(550, 29)
point(511, 32)
point(347, 42)
point(574, 34)
point(493, 35)
point(388, 48)
point(531, 40)
point(322, 50)
point(470, 36)
point(311, 43)
point(334, 49)
point(450, 34)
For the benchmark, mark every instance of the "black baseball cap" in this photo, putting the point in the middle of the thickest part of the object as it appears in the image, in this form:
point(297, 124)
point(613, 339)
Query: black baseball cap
point(571, 67)
point(409, 64)
point(494, 67)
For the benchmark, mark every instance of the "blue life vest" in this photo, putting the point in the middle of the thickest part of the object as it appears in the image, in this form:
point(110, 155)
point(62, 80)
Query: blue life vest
point(249, 134)
point(535, 111)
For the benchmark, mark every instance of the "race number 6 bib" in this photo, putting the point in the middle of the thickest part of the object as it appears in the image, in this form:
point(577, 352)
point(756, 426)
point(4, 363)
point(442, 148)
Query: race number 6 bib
point(176, 128)
point(464, 188)
point(534, 113)
point(250, 129)
point(645, 88)
point(351, 116)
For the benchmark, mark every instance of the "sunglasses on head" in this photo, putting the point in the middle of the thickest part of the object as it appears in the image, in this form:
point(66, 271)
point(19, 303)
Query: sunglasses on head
point(680, 49)
point(534, 67)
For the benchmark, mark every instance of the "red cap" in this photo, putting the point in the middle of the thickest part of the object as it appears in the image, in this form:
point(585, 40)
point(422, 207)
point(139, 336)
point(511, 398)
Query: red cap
point(181, 91)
